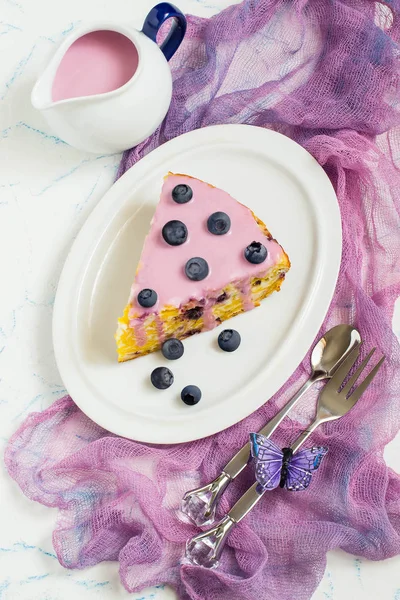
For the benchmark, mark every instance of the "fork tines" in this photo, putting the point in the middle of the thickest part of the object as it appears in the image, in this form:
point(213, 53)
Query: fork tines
point(358, 391)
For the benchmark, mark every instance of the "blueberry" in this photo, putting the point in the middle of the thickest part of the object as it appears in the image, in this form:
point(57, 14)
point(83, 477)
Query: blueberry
point(147, 298)
point(162, 378)
point(196, 268)
point(194, 313)
point(218, 223)
point(229, 340)
point(172, 349)
point(222, 297)
point(191, 395)
point(182, 193)
point(256, 253)
point(175, 233)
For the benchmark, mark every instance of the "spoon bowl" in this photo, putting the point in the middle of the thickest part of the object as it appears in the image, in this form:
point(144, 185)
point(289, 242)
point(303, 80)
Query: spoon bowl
point(332, 350)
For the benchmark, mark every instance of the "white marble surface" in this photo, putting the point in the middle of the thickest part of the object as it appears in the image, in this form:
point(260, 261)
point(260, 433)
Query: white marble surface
point(47, 190)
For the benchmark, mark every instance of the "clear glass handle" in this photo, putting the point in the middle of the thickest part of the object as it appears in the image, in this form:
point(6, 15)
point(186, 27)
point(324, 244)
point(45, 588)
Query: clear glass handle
point(205, 549)
point(200, 504)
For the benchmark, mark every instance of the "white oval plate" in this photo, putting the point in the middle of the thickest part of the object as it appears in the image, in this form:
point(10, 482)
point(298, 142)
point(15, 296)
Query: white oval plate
point(291, 193)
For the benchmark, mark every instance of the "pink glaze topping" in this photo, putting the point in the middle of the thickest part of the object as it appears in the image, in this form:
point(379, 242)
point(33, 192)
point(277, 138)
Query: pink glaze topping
point(162, 267)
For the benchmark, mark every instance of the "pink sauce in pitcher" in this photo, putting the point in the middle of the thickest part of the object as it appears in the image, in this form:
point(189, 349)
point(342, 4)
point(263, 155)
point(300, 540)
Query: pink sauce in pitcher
point(95, 63)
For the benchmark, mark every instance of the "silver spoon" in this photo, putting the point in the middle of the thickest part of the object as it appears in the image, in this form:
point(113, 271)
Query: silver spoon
point(327, 356)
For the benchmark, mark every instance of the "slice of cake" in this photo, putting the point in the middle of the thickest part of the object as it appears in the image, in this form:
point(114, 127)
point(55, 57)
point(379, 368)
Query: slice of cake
point(206, 259)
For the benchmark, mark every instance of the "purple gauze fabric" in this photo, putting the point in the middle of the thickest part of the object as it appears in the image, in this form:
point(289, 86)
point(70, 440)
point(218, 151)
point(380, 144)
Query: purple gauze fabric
point(325, 73)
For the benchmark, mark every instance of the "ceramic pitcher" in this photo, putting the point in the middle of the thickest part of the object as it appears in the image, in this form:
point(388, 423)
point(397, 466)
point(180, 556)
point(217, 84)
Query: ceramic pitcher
point(108, 87)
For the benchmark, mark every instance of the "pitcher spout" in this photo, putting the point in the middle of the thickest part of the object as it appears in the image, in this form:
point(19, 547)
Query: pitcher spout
point(41, 94)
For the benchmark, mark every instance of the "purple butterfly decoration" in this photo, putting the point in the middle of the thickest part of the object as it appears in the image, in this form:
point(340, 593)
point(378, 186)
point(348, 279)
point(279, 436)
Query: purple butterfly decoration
point(276, 467)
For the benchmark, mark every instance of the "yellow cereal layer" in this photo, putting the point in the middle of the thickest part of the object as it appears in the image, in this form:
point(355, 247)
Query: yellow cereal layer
point(174, 322)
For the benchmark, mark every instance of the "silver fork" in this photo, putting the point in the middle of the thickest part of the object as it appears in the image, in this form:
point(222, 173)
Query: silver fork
point(333, 402)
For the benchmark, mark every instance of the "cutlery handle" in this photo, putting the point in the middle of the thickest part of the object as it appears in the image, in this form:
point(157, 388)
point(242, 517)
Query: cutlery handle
point(250, 498)
point(241, 458)
point(245, 503)
point(305, 434)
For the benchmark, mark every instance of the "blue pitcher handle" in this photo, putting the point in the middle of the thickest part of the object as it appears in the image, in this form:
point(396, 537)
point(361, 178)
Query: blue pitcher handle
point(156, 17)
